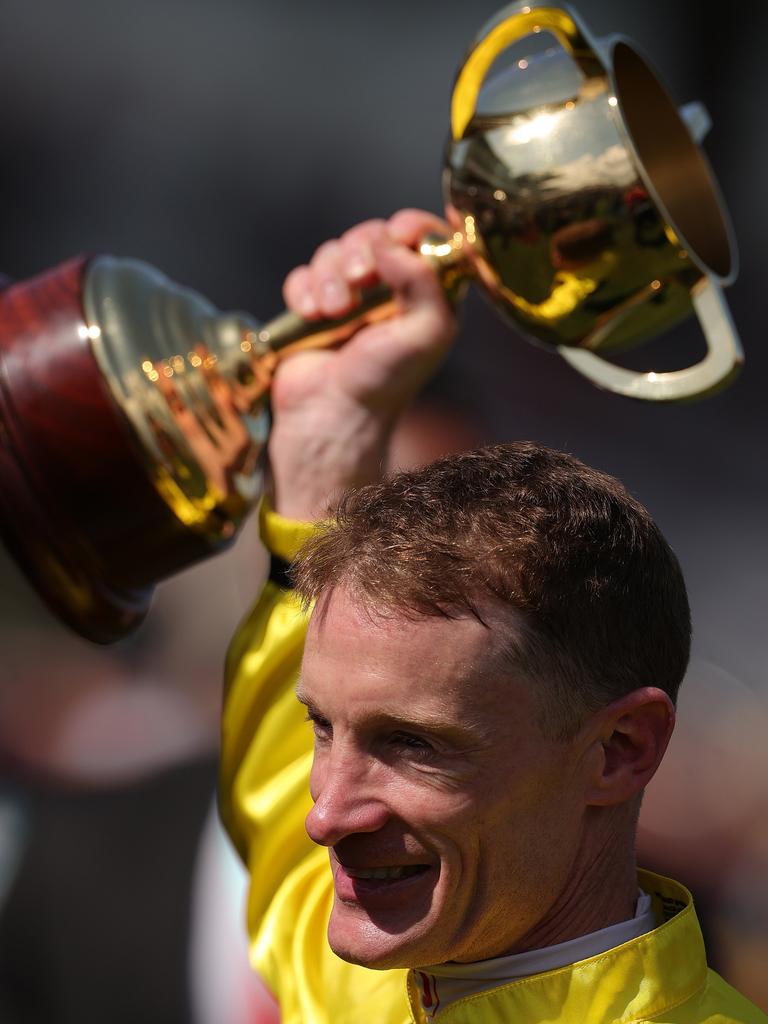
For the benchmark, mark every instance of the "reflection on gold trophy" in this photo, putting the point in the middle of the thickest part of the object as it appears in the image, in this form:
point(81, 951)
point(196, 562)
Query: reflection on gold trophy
point(133, 416)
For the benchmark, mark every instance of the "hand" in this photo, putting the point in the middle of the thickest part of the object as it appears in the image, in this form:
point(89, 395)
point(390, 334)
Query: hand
point(334, 410)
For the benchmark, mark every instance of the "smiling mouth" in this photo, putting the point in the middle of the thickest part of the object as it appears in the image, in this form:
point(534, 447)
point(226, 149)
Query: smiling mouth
point(387, 874)
point(383, 887)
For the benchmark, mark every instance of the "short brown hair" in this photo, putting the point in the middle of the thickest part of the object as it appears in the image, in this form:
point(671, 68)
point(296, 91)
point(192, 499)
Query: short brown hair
point(597, 589)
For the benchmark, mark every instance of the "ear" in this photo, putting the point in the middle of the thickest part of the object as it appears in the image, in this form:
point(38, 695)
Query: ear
point(631, 736)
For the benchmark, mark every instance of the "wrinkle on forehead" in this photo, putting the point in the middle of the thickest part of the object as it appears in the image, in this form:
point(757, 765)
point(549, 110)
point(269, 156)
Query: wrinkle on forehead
point(361, 607)
point(467, 653)
point(487, 611)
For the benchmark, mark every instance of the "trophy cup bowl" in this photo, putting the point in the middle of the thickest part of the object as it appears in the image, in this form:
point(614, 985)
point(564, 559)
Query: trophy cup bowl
point(589, 212)
point(134, 414)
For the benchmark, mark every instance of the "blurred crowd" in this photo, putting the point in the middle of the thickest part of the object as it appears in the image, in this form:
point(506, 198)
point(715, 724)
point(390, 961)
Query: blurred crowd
point(222, 143)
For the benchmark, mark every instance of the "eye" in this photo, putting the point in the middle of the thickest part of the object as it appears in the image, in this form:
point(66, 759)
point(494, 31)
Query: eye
point(416, 744)
point(320, 726)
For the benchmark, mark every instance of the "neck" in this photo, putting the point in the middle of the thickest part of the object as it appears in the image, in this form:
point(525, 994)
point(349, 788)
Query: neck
point(599, 891)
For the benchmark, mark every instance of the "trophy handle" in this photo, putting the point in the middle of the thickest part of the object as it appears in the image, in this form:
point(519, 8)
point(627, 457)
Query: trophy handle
point(510, 25)
point(720, 365)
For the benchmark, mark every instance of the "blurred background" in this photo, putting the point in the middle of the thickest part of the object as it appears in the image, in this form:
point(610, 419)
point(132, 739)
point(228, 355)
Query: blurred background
point(222, 143)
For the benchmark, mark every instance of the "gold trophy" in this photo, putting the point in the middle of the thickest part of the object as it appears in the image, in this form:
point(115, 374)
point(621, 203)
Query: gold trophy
point(134, 414)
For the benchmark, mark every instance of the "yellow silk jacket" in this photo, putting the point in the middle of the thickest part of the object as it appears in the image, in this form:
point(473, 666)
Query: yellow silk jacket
point(266, 754)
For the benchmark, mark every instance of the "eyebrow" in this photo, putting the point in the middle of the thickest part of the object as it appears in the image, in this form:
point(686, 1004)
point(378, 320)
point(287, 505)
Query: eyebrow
point(302, 698)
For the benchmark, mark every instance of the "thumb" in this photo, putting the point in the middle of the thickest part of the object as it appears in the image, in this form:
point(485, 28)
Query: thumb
point(389, 361)
point(427, 321)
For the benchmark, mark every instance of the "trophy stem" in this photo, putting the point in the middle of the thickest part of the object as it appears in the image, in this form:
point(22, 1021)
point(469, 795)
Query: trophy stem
point(193, 382)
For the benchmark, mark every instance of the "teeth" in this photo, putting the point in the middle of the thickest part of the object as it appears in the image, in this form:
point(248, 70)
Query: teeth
point(398, 872)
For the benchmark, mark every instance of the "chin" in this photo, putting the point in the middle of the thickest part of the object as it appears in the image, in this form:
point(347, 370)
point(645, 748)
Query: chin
point(367, 945)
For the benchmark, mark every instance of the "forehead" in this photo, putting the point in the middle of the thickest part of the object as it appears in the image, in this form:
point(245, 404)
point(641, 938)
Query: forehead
point(357, 655)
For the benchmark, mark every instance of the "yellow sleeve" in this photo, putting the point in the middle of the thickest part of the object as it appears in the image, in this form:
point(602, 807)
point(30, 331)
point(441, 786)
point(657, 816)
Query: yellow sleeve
point(266, 745)
point(264, 798)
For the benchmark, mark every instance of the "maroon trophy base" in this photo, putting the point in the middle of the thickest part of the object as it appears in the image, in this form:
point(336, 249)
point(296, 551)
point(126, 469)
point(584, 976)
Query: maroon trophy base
point(78, 509)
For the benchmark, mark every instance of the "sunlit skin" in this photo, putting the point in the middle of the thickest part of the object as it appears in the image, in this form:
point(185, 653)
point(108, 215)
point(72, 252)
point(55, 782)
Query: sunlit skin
point(429, 755)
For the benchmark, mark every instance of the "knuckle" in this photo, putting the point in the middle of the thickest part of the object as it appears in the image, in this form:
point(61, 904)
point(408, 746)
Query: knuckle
point(326, 253)
point(367, 229)
point(423, 276)
point(439, 321)
point(295, 279)
point(413, 223)
point(407, 213)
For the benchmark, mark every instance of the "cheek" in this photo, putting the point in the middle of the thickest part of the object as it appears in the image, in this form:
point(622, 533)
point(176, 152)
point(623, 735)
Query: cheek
point(446, 820)
point(538, 829)
point(464, 826)
point(524, 809)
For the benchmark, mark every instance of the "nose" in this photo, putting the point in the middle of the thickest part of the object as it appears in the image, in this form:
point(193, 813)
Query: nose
point(346, 801)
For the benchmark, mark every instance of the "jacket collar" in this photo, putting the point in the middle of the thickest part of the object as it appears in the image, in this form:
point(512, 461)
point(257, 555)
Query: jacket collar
point(637, 980)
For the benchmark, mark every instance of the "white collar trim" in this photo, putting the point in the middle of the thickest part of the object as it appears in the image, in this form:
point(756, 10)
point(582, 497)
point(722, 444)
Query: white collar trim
point(444, 984)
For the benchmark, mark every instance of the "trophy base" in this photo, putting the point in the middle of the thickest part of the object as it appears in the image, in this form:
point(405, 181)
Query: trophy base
point(40, 548)
point(79, 511)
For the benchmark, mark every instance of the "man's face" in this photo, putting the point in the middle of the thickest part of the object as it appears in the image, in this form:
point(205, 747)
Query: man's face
point(452, 822)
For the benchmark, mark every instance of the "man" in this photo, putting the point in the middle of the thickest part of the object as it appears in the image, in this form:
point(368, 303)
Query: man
point(489, 676)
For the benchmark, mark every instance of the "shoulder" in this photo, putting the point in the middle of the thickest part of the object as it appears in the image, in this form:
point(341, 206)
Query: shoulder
point(719, 1003)
point(313, 985)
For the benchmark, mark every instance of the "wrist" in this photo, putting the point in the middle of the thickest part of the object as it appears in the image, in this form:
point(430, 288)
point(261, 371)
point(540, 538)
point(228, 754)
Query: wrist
point(313, 461)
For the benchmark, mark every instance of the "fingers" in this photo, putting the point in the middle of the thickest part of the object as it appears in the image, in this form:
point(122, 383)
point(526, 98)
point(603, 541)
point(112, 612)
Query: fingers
point(407, 272)
point(425, 310)
point(357, 251)
point(329, 285)
point(409, 226)
point(426, 316)
point(298, 293)
point(385, 364)
point(333, 409)
point(321, 289)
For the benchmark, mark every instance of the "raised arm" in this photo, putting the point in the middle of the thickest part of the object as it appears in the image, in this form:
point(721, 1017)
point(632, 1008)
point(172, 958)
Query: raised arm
point(334, 411)
point(333, 415)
